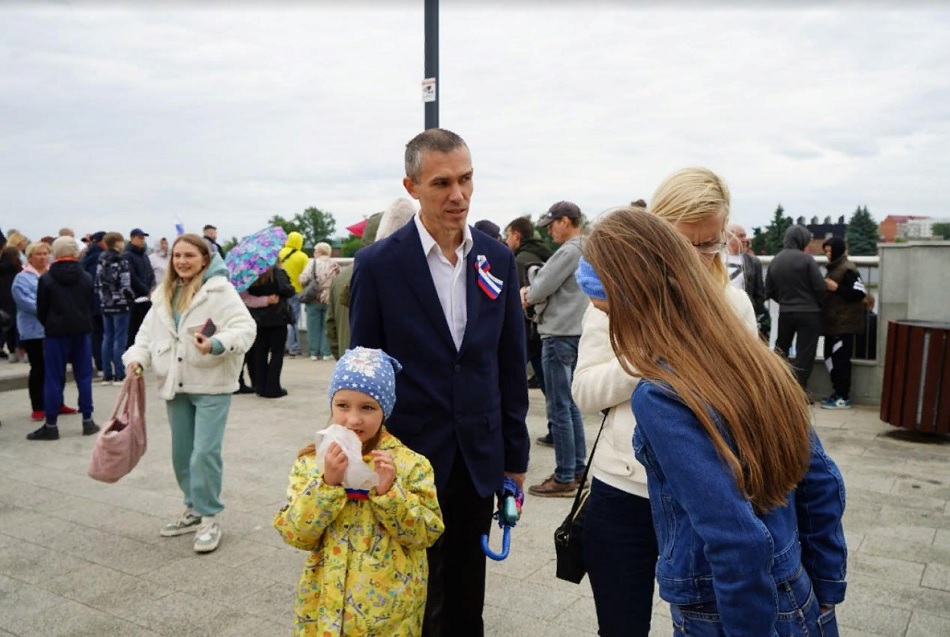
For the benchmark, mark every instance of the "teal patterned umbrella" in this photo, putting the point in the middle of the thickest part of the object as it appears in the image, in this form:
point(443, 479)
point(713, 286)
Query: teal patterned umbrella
point(253, 254)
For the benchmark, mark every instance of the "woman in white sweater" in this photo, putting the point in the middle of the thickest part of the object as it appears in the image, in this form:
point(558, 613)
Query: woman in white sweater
point(620, 548)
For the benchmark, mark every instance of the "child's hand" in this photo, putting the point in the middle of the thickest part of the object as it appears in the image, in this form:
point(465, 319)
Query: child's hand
point(334, 465)
point(385, 469)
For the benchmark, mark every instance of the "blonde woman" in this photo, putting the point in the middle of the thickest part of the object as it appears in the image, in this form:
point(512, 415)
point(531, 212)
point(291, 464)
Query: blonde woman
point(746, 505)
point(196, 375)
point(620, 548)
point(323, 269)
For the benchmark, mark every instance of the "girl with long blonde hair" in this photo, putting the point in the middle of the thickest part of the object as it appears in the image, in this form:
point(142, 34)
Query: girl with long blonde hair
point(745, 503)
point(197, 370)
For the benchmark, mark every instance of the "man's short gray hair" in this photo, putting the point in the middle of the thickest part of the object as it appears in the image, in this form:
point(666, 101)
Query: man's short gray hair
point(323, 248)
point(435, 139)
point(65, 246)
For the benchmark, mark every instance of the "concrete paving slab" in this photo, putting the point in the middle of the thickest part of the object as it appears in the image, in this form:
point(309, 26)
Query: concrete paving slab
point(79, 557)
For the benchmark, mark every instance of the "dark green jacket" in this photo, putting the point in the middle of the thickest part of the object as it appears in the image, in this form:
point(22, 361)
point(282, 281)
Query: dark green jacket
point(843, 310)
point(532, 250)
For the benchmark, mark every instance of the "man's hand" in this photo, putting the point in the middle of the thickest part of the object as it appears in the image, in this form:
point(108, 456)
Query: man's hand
point(524, 297)
point(273, 299)
point(518, 478)
point(831, 285)
point(334, 465)
point(385, 469)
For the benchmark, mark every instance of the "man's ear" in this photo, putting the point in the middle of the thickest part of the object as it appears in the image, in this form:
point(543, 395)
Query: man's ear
point(410, 187)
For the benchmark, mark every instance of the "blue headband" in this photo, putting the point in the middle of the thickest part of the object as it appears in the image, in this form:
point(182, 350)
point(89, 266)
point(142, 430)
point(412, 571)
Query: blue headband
point(370, 371)
point(588, 280)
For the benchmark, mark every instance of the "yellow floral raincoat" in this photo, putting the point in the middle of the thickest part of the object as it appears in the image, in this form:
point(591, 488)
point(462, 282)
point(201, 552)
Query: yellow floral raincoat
point(367, 573)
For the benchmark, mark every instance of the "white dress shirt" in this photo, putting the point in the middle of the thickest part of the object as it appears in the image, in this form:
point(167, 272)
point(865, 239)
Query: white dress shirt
point(449, 279)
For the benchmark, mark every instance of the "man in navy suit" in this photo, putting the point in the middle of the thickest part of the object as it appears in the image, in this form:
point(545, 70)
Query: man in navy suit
point(443, 299)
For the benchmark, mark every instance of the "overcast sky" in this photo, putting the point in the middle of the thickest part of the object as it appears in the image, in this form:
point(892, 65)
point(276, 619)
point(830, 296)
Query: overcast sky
point(113, 116)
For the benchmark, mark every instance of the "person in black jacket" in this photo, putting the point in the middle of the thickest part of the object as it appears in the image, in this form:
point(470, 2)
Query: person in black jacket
point(794, 280)
point(843, 319)
point(90, 262)
point(143, 281)
point(745, 273)
point(64, 307)
point(272, 321)
point(10, 266)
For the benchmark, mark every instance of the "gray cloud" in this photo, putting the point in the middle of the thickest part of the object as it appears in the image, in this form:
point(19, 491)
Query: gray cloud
point(114, 116)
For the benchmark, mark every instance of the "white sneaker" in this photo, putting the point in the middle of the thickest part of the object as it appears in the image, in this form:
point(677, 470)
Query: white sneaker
point(208, 536)
point(328, 358)
point(187, 523)
point(314, 358)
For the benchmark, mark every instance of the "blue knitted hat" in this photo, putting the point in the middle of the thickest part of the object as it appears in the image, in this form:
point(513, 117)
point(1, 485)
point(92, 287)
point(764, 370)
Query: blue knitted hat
point(371, 371)
point(588, 280)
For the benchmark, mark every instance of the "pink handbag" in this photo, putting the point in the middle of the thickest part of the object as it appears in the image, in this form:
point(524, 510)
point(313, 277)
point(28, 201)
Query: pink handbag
point(121, 443)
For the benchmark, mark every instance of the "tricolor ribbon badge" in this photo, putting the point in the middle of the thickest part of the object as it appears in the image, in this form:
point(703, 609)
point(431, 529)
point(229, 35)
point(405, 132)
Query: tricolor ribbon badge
point(489, 284)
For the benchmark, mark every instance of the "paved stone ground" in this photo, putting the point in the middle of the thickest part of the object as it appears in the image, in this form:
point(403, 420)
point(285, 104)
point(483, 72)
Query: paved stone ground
point(79, 558)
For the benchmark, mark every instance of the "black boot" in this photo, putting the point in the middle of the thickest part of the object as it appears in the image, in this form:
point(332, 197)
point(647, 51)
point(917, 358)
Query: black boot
point(44, 433)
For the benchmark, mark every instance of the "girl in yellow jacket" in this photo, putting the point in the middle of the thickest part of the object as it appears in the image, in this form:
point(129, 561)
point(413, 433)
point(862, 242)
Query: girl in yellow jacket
point(367, 571)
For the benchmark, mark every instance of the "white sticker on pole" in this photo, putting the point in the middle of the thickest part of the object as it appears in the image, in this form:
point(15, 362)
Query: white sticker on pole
point(428, 89)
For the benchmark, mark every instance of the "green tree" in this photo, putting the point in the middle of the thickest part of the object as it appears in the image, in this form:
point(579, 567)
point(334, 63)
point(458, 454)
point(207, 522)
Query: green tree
point(775, 231)
point(942, 229)
point(758, 240)
point(289, 225)
point(349, 246)
point(863, 233)
point(315, 225)
point(230, 244)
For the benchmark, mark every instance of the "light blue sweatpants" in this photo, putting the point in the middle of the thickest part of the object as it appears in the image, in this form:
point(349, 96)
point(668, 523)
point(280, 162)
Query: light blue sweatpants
point(197, 423)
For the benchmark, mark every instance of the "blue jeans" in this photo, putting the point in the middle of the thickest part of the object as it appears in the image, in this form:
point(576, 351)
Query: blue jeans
point(559, 358)
point(620, 553)
point(799, 614)
point(58, 351)
point(115, 331)
point(293, 340)
point(317, 328)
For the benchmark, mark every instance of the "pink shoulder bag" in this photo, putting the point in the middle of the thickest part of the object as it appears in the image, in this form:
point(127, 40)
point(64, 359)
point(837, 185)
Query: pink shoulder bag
point(121, 443)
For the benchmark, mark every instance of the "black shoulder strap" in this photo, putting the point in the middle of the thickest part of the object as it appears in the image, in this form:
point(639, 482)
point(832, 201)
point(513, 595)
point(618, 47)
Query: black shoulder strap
point(292, 250)
point(590, 460)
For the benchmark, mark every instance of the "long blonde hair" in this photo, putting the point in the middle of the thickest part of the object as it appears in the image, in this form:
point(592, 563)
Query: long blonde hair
point(693, 195)
point(173, 282)
point(670, 322)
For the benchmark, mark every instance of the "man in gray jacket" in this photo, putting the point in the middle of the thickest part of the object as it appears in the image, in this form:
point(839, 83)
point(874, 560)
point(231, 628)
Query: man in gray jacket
point(560, 330)
point(794, 280)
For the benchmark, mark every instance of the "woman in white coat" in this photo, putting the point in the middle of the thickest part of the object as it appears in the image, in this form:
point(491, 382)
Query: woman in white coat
point(620, 547)
point(196, 375)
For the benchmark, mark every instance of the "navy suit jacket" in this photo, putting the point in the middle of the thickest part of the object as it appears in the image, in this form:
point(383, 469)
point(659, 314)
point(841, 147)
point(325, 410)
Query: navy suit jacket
point(470, 401)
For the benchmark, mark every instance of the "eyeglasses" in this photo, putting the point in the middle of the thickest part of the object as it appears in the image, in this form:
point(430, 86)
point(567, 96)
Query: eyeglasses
point(710, 248)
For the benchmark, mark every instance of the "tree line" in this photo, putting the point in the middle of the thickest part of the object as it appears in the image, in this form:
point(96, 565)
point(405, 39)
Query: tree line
point(862, 234)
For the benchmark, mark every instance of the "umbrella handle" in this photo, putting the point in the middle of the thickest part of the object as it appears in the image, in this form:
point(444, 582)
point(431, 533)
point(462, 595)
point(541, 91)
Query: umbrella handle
point(505, 545)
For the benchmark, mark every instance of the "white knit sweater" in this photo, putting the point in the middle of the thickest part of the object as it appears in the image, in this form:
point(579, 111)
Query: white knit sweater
point(601, 383)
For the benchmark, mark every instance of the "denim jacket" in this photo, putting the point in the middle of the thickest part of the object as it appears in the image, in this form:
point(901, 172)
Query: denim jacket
point(713, 544)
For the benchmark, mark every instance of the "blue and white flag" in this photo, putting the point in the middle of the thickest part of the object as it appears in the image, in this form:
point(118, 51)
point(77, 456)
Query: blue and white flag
point(179, 226)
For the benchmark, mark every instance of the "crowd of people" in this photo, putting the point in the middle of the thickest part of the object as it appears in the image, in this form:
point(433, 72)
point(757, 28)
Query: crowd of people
point(709, 481)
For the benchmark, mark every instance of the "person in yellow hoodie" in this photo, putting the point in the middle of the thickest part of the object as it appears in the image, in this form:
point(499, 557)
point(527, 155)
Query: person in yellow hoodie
point(367, 573)
point(293, 259)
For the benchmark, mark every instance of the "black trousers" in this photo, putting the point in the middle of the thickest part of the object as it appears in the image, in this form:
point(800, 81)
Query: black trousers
point(805, 328)
point(269, 360)
point(456, 592)
point(838, 351)
point(34, 349)
point(139, 310)
point(97, 340)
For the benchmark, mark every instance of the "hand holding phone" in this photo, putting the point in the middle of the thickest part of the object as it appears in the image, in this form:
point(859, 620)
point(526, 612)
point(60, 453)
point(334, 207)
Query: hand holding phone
point(208, 329)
